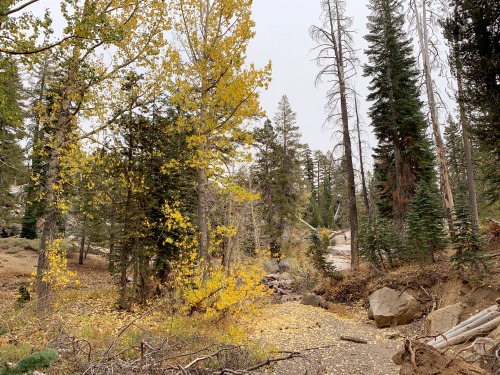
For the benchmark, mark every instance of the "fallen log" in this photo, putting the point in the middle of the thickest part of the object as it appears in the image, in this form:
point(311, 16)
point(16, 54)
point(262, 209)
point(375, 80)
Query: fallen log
point(481, 320)
point(467, 322)
point(354, 339)
point(479, 331)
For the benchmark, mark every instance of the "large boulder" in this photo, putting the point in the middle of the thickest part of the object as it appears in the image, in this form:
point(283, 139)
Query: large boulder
point(442, 320)
point(389, 307)
point(272, 266)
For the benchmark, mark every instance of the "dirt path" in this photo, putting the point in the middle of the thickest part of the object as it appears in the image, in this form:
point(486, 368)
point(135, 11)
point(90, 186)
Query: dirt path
point(295, 327)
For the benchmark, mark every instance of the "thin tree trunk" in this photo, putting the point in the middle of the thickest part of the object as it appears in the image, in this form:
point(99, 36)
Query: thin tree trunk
point(203, 238)
point(362, 169)
point(471, 187)
point(127, 242)
point(82, 243)
point(111, 260)
point(351, 187)
point(443, 170)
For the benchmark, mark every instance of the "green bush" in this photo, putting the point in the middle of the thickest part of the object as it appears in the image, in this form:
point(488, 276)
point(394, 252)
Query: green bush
point(318, 251)
point(32, 362)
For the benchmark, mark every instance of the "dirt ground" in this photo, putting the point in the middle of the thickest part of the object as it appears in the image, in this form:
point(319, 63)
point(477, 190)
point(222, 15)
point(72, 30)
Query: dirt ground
point(17, 268)
point(314, 332)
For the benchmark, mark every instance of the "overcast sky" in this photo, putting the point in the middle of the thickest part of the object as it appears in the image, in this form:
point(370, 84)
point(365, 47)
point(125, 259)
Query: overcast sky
point(282, 35)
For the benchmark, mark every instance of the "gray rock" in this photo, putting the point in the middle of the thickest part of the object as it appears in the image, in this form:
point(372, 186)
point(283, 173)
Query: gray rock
point(442, 320)
point(285, 276)
point(290, 298)
point(285, 264)
point(272, 276)
point(272, 266)
point(311, 299)
point(391, 307)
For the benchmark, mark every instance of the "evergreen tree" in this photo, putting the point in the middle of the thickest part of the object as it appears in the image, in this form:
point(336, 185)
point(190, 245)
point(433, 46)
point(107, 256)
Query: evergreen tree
point(455, 155)
point(402, 156)
point(288, 173)
point(308, 171)
point(279, 173)
point(425, 224)
point(12, 169)
point(473, 33)
point(265, 176)
point(467, 243)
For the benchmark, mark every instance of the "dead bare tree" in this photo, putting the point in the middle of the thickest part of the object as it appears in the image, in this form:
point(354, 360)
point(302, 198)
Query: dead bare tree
point(361, 163)
point(336, 59)
point(422, 25)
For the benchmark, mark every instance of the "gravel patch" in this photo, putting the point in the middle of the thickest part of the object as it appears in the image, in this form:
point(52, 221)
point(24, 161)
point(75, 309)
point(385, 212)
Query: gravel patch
point(316, 333)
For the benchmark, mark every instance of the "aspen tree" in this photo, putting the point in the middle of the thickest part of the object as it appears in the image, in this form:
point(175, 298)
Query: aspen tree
point(131, 31)
point(216, 87)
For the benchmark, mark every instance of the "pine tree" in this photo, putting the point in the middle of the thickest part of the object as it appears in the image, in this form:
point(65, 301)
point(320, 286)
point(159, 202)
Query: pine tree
point(425, 224)
point(455, 155)
point(467, 243)
point(473, 33)
point(12, 169)
point(402, 156)
point(288, 173)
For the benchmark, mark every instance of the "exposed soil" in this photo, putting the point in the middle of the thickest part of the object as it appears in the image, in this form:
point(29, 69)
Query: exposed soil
point(312, 331)
point(17, 268)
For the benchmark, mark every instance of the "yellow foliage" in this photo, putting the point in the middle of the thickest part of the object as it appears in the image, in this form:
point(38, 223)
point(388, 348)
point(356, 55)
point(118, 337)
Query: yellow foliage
point(222, 293)
point(57, 274)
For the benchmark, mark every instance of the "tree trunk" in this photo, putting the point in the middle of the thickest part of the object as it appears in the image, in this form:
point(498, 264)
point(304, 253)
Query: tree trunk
point(50, 201)
point(126, 248)
point(443, 170)
point(351, 187)
point(82, 243)
point(471, 187)
point(362, 169)
point(203, 234)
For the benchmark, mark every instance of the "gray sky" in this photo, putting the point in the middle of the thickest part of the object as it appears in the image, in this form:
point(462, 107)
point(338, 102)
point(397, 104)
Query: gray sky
point(282, 35)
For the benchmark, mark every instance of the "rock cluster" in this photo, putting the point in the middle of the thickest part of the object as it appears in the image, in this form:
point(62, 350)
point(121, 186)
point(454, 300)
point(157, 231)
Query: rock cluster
point(280, 280)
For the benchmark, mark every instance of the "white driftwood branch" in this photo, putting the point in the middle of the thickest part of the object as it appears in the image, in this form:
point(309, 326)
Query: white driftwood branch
point(479, 331)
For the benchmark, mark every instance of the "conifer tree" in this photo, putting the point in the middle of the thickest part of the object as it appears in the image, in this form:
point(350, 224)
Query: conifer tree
point(288, 173)
point(473, 33)
point(425, 224)
point(468, 246)
point(455, 154)
point(402, 156)
point(12, 170)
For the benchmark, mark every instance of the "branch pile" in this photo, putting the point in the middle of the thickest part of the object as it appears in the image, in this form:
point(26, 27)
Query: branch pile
point(421, 359)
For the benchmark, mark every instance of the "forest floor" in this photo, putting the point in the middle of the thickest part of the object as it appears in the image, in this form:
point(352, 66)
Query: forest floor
point(291, 327)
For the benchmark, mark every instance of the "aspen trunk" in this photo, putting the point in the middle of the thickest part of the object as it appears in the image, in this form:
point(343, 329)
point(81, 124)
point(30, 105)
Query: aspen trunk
point(50, 201)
